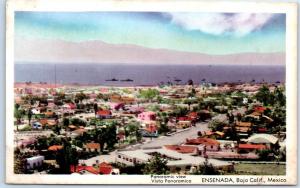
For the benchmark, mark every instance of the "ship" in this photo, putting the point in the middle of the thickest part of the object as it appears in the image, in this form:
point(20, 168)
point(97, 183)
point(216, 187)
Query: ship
point(112, 80)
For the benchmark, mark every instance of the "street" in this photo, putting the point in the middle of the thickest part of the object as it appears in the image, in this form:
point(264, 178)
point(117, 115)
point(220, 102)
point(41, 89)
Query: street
point(174, 139)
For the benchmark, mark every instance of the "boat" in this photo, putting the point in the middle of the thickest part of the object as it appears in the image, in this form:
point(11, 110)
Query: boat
point(127, 80)
point(112, 80)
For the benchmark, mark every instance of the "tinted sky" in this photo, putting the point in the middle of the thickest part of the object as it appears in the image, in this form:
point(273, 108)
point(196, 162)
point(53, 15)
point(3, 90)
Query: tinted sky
point(210, 33)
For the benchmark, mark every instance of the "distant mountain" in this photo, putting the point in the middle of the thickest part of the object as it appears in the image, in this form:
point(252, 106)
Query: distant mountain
point(27, 50)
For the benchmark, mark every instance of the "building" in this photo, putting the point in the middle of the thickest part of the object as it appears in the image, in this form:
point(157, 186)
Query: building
point(101, 169)
point(92, 147)
point(246, 148)
point(177, 162)
point(55, 148)
point(183, 124)
point(104, 114)
point(207, 143)
point(147, 116)
point(34, 162)
point(265, 139)
point(183, 149)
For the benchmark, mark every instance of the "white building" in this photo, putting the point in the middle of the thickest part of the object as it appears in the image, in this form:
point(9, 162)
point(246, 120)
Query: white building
point(34, 162)
point(177, 162)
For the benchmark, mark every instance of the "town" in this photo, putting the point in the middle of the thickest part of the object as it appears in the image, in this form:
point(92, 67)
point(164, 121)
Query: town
point(198, 129)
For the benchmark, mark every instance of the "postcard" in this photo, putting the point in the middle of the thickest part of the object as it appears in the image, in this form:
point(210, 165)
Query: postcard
point(151, 92)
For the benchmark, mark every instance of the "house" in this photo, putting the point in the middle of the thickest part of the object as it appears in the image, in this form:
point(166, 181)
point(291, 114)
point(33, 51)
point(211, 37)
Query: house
point(69, 106)
point(92, 147)
point(171, 126)
point(37, 125)
point(55, 148)
point(104, 114)
point(117, 106)
point(193, 116)
point(259, 109)
point(25, 142)
point(183, 124)
point(182, 149)
point(147, 116)
point(102, 169)
point(265, 139)
point(78, 132)
point(34, 162)
point(88, 170)
point(135, 110)
point(150, 126)
point(246, 148)
point(106, 169)
point(208, 143)
point(36, 111)
point(128, 100)
point(243, 128)
point(231, 155)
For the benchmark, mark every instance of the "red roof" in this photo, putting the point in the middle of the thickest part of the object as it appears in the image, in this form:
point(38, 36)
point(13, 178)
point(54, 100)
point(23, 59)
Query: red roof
point(55, 148)
point(260, 109)
point(93, 145)
point(104, 113)
point(105, 168)
point(181, 149)
point(252, 146)
point(151, 128)
point(184, 119)
point(204, 141)
point(193, 115)
point(81, 168)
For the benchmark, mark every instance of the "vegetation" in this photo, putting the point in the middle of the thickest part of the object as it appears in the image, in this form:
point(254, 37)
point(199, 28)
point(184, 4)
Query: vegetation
point(216, 125)
point(206, 169)
point(156, 165)
point(149, 94)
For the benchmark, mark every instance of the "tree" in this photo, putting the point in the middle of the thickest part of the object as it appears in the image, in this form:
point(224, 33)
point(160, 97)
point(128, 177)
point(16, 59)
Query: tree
point(29, 115)
point(149, 94)
point(19, 163)
point(279, 96)
point(95, 108)
point(264, 95)
point(101, 137)
point(80, 97)
point(64, 158)
point(206, 169)
point(190, 82)
point(216, 125)
point(42, 143)
point(111, 134)
point(265, 155)
point(163, 128)
point(18, 115)
point(156, 165)
point(66, 122)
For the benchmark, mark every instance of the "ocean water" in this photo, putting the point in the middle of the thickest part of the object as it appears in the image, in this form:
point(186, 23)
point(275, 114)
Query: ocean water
point(98, 74)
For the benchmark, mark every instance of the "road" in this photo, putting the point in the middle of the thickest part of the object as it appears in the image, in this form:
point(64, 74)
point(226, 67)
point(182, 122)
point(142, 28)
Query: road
point(177, 138)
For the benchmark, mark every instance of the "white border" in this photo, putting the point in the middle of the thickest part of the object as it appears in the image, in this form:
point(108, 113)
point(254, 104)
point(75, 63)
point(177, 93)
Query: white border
point(152, 5)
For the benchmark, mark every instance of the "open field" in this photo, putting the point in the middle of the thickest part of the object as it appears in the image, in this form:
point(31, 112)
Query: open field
point(260, 169)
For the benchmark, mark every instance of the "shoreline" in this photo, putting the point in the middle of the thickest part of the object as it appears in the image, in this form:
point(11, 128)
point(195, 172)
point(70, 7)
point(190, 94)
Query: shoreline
point(53, 85)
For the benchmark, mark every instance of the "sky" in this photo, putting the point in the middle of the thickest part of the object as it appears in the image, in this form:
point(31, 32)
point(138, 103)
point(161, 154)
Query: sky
point(206, 33)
